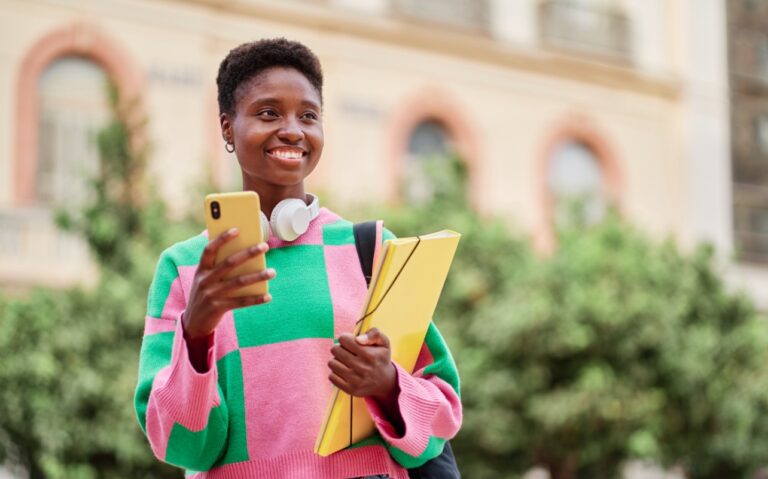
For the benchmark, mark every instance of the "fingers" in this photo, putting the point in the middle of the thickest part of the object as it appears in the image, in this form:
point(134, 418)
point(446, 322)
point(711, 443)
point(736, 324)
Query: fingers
point(348, 342)
point(240, 302)
point(340, 369)
point(233, 284)
point(236, 259)
point(344, 356)
point(340, 383)
point(208, 259)
point(373, 337)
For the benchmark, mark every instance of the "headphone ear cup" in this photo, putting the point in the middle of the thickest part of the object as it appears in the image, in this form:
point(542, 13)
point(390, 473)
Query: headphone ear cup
point(264, 226)
point(290, 219)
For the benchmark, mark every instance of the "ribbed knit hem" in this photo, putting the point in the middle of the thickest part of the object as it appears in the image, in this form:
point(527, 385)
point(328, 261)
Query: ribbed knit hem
point(188, 396)
point(417, 408)
point(358, 462)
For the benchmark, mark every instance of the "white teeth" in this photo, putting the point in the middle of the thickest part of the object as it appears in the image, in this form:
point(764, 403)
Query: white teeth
point(288, 155)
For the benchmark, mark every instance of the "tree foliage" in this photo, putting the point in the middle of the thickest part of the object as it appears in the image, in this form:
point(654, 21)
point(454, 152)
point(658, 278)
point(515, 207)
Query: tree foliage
point(615, 347)
point(69, 359)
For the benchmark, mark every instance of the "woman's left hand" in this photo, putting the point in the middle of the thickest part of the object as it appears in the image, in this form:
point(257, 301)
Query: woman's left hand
point(362, 366)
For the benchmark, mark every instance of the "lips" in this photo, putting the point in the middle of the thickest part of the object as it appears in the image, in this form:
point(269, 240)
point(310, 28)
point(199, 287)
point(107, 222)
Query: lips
point(287, 155)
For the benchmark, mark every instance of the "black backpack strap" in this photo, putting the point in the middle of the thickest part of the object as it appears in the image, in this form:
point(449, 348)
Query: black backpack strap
point(365, 242)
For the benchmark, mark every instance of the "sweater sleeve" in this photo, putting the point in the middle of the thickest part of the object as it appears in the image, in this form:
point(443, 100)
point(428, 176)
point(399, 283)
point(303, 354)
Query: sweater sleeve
point(429, 404)
point(181, 411)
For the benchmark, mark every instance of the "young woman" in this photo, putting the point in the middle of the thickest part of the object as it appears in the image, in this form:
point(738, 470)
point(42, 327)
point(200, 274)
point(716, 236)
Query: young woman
point(237, 388)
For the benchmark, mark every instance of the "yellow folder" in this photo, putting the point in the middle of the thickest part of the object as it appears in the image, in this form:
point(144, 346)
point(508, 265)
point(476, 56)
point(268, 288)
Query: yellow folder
point(405, 286)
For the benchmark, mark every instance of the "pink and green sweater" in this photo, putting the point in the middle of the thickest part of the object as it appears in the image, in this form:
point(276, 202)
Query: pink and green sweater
point(257, 411)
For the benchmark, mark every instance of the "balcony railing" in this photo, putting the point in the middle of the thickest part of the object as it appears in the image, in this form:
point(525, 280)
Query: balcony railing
point(598, 31)
point(34, 251)
point(457, 13)
point(750, 215)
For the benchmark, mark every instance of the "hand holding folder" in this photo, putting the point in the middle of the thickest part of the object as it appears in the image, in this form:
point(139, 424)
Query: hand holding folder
point(405, 287)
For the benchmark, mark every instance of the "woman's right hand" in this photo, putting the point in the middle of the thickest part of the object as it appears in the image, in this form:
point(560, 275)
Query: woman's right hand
point(209, 298)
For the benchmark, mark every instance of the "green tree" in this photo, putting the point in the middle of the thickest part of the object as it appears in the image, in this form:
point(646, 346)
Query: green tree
point(615, 347)
point(68, 359)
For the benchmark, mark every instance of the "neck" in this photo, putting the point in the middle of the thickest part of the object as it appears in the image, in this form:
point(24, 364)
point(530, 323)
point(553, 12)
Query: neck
point(271, 195)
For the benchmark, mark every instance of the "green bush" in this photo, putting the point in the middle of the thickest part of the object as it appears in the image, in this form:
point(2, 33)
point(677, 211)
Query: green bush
point(613, 348)
point(69, 359)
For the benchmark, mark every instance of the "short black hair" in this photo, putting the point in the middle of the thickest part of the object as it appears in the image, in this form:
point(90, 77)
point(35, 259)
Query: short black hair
point(247, 61)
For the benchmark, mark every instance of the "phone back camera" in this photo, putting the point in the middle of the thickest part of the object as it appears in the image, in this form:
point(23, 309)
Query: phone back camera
point(215, 210)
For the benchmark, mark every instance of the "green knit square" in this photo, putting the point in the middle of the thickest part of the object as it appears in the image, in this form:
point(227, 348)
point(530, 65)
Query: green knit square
point(198, 450)
point(155, 355)
point(301, 300)
point(230, 369)
point(338, 233)
point(434, 449)
point(186, 253)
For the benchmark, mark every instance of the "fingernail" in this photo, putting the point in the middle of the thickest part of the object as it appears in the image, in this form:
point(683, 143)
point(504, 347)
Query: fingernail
point(362, 337)
point(232, 231)
point(267, 298)
point(271, 272)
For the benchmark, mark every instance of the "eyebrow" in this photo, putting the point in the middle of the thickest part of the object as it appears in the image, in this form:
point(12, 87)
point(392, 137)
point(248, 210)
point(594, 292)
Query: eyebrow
point(272, 100)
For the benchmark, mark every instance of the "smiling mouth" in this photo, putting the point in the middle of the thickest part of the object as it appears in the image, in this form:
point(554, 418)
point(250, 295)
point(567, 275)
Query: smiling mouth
point(287, 154)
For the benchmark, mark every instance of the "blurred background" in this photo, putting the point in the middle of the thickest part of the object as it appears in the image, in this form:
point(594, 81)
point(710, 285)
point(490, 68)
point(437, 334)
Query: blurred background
point(607, 161)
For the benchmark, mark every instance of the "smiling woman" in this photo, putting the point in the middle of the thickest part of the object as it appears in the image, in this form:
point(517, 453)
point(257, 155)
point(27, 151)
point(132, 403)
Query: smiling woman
point(237, 387)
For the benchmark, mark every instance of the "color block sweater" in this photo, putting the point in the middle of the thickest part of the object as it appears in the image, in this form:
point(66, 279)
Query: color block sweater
point(257, 411)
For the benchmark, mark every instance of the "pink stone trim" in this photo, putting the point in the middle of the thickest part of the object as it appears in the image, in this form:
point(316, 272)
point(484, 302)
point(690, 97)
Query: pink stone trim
point(434, 102)
point(80, 38)
point(576, 127)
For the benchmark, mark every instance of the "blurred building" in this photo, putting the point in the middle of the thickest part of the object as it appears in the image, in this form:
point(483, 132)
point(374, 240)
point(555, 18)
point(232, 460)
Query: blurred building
point(619, 103)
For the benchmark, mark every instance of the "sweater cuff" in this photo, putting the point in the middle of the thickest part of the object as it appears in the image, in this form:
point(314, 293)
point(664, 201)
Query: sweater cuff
point(187, 395)
point(417, 405)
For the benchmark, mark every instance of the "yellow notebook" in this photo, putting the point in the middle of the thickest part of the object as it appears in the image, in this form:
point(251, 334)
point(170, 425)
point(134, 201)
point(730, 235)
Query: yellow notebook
point(405, 287)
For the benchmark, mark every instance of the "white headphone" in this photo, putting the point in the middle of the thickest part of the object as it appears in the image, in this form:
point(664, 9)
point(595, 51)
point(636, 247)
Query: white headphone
point(290, 218)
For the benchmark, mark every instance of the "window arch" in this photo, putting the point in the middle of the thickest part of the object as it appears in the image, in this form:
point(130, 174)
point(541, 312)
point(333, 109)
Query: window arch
point(575, 182)
point(422, 122)
point(429, 145)
point(577, 165)
point(81, 40)
point(73, 108)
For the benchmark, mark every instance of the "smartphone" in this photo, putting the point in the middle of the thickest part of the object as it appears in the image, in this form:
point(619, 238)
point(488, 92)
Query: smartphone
point(237, 210)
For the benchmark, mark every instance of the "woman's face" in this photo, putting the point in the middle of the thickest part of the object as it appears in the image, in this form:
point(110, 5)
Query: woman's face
point(277, 130)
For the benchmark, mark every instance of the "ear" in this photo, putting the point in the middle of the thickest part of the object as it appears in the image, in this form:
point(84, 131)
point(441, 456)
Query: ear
point(226, 127)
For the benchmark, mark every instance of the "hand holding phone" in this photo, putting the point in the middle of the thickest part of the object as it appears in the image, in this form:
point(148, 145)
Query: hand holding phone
point(240, 210)
point(232, 271)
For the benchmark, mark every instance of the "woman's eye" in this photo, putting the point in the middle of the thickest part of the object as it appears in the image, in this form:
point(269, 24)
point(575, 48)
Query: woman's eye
point(267, 114)
point(309, 116)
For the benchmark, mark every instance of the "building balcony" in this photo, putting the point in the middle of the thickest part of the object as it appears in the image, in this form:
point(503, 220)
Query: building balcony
point(470, 14)
point(599, 32)
point(35, 252)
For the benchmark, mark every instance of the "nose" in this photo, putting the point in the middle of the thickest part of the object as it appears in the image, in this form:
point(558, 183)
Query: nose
point(290, 131)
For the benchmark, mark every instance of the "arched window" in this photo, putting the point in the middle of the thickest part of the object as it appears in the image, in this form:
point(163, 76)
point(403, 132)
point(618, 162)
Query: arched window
point(428, 145)
point(73, 108)
point(575, 181)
